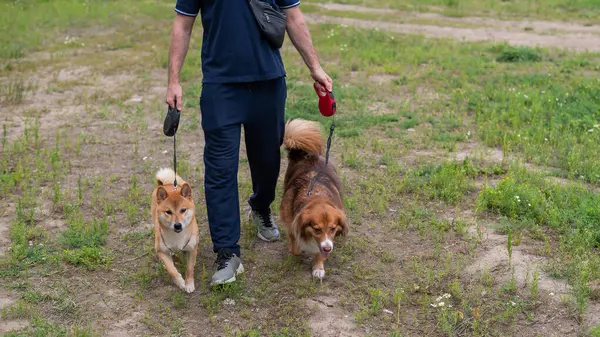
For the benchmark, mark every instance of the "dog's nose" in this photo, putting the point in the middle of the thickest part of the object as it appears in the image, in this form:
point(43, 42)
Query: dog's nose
point(177, 226)
point(327, 249)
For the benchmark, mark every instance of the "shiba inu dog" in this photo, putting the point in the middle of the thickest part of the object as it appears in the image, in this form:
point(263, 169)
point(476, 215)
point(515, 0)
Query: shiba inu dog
point(175, 226)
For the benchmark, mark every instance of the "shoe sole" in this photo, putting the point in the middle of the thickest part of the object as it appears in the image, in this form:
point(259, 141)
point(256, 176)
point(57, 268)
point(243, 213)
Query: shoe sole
point(238, 271)
point(260, 236)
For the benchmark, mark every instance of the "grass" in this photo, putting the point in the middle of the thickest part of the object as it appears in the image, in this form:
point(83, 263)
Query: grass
point(531, 202)
point(76, 177)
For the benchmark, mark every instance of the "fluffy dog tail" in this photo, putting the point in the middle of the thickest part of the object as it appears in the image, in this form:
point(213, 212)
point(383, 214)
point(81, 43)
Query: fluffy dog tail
point(303, 135)
point(166, 176)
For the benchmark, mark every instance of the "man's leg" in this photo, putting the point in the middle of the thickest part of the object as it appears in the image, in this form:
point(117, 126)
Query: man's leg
point(221, 156)
point(264, 129)
point(221, 123)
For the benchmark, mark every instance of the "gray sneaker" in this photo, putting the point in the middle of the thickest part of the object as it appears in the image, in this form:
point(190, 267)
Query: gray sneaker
point(228, 266)
point(267, 229)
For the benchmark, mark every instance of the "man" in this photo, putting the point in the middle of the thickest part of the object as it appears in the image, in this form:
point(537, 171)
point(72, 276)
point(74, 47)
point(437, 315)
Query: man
point(243, 84)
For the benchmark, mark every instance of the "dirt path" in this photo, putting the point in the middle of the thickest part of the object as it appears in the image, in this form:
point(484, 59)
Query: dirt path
point(538, 26)
point(519, 33)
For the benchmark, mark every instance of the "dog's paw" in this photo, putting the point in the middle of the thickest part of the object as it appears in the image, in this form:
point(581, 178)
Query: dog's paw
point(319, 273)
point(189, 287)
point(179, 282)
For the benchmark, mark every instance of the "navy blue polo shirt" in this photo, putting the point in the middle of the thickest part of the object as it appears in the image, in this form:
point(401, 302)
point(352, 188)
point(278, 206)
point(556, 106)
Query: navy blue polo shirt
point(233, 49)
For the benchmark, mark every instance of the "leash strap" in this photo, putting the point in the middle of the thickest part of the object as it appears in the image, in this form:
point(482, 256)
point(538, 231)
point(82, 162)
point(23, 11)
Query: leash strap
point(175, 161)
point(314, 179)
point(331, 128)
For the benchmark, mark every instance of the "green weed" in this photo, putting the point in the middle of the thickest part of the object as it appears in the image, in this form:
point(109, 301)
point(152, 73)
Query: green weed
point(81, 233)
point(91, 258)
point(518, 54)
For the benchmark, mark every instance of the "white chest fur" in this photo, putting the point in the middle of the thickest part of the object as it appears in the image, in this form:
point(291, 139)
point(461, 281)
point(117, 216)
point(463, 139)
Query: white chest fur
point(309, 247)
point(173, 242)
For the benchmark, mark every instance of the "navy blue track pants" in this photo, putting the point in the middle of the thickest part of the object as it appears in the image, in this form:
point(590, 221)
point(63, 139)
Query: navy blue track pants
point(225, 107)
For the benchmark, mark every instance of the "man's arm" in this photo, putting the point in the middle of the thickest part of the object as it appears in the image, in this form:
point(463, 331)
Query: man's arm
point(300, 36)
point(180, 42)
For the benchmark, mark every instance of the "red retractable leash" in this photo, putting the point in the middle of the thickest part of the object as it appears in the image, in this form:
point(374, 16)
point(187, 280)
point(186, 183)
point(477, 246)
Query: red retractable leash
point(327, 108)
point(327, 105)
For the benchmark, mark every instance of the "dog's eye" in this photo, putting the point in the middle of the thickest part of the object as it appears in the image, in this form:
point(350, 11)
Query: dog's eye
point(169, 212)
point(183, 210)
point(332, 230)
point(318, 230)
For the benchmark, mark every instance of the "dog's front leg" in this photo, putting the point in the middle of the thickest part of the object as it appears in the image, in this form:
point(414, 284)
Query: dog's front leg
point(189, 271)
point(175, 275)
point(319, 266)
point(294, 245)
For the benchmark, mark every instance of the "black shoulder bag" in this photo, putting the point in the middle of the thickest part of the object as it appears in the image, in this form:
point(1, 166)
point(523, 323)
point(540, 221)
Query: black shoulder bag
point(271, 21)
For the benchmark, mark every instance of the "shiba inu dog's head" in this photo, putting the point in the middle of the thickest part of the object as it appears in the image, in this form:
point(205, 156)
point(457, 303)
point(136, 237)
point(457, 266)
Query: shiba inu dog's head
point(175, 208)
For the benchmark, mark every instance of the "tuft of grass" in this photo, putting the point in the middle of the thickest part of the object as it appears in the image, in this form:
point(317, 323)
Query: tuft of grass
point(81, 233)
point(15, 91)
point(91, 258)
point(511, 54)
point(449, 181)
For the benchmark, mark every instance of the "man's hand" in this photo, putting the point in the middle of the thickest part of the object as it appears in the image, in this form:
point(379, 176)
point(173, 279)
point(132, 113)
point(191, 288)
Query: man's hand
point(174, 96)
point(324, 82)
point(298, 33)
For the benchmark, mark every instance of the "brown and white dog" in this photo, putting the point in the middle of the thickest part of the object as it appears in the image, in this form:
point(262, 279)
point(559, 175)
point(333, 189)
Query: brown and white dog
point(175, 226)
point(312, 221)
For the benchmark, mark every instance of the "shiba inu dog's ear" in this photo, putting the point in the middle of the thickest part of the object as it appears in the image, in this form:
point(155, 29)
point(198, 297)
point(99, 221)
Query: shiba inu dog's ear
point(161, 194)
point(186, 191)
